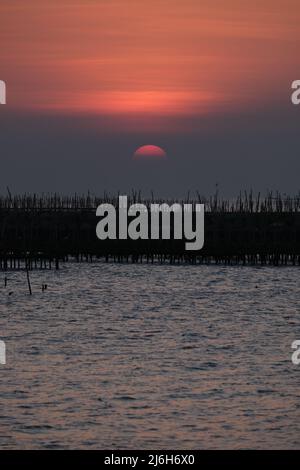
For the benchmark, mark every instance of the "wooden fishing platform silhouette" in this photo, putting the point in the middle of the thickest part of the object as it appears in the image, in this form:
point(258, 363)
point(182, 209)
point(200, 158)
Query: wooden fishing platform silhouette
point(40, 232)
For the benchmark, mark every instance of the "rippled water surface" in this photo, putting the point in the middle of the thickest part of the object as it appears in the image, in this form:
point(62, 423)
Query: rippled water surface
point(148, 356)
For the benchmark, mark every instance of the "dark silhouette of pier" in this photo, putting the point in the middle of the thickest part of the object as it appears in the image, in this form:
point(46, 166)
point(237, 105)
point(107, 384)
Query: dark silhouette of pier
point(40, 232)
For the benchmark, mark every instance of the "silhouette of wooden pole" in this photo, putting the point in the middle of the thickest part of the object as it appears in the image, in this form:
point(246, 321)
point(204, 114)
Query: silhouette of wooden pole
point(28, 278)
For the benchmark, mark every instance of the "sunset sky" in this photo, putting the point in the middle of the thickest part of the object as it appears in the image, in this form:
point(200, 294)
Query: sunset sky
point(149, 72)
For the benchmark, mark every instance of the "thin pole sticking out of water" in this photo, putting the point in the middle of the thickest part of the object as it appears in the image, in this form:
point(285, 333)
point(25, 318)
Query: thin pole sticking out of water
point(28, 278)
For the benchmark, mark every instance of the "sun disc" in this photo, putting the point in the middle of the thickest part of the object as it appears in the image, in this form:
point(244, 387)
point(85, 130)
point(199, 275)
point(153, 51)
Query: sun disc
point(150, 152)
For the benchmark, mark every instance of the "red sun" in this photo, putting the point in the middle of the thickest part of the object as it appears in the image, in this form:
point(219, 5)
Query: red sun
point(149, 152)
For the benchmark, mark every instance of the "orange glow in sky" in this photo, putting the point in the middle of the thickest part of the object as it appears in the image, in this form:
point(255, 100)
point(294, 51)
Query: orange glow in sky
point(138, 57)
